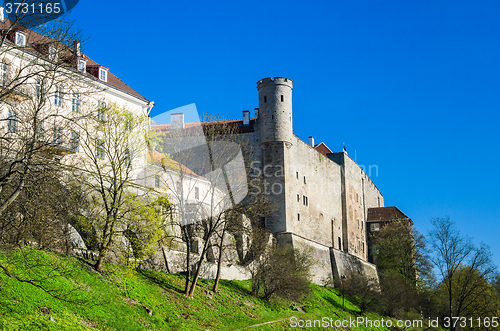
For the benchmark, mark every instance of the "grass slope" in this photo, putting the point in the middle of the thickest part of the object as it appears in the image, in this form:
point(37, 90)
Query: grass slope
point(117, 300)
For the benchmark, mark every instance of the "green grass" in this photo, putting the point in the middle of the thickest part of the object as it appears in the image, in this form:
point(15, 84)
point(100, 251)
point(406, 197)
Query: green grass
point(115, 300)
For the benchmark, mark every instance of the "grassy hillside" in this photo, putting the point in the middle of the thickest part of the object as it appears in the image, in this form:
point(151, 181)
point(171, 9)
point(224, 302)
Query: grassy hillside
point(124, 299)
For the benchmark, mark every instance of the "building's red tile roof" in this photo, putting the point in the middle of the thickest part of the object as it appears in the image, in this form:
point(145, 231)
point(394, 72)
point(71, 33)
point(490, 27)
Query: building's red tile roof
point(165, 128)
point(37, 44)
point(323, 149)
point(167, 163)
point(386, 214)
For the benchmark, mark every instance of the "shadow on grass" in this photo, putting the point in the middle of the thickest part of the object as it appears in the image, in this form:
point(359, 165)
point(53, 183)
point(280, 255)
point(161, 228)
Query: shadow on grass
point(159, 280)
point(236, 286)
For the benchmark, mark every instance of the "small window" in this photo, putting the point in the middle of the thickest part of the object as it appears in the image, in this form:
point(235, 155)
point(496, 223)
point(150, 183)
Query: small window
point(305, 201)
point(100, 149)
point(374, 227)
point(157, 181)
point(20, 39)
point(298, 217)
point(363, 247)
point(101, 107)
point(282, 98)
point(103, 74)
point(4, 69)
point(340, 243)
point(362, 225)
point(12, 122)
point(297, 173)
point(81, 65)
point(357, 199)
point(196, 193)
point(305, 180)
point(265, 98)
point(128, 121)
point(298, 198)
point(358, 223)
point(58, 96)
point(57, 137)
point(75, 141)
point(76, 102)
point(40, 130)
point(53, 53)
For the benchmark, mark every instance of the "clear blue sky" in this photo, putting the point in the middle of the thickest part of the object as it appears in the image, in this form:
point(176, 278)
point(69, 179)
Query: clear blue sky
point(411, 86)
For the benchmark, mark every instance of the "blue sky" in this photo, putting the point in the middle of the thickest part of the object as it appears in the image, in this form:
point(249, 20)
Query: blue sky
point(411, 86)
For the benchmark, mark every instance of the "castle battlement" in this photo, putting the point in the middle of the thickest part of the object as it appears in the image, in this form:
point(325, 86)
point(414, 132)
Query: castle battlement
point(275, 81)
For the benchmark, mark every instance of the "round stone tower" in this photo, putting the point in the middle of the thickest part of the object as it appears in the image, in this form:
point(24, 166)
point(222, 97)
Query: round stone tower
point(275, 109)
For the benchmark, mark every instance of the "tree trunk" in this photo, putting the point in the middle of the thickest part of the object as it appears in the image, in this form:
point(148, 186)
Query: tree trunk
point(188, 271)
point(219, 262)
point(196, 276)
point(165, 258)
point(98, 264)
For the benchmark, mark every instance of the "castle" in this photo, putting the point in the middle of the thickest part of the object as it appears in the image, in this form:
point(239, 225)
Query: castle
point(322, 198)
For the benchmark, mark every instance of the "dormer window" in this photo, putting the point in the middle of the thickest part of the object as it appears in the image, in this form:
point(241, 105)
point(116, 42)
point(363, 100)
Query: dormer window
point(53, 53)
point(20, 38)
point(103, 74)
point(82, 65)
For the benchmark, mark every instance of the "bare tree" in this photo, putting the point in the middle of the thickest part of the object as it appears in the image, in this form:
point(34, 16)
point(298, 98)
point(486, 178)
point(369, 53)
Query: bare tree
point(111, 159)
point(463, 267)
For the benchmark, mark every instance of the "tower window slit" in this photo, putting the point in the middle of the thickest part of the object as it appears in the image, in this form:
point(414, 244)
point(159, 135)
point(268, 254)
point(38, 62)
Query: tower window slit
point(282, 98)
point(265, 98)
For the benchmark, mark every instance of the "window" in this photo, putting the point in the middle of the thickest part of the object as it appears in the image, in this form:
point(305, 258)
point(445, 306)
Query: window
point(39, 88)
point(53, 53)
point(362, 224)
point(81, 65)
point(357, 199)
point(178, 187)
point(57, 137)
point(358, 223)
point(128, 159)
point(12, 122)
point(39, 129)
point(265, 98)
point(128, 121)
point(297, 174)
point(305, 201)
point(157, 181)
point(305, 180)
point(363, 247)
point(374, 227)
point(282, 98)
point(101, 107)
point(340, 244)
point(76, 102)
point(298, 217)
point(4, 69)
point(298, 198)
point(58, 96)
point(196, 193)
point(20, 39)
point(100, 149)
point(75, 141)
point(103, 74)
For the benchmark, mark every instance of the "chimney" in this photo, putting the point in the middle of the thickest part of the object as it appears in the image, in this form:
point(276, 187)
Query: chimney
point(76, 47)
point(177, 121)
point(246, 118)
point(311, 141)
point(256, 113)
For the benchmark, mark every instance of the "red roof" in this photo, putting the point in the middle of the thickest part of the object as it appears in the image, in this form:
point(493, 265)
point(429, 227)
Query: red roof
point(323, 149)
point(386, 214)
point(38, 45)
point(164, 128)
point(168, 163)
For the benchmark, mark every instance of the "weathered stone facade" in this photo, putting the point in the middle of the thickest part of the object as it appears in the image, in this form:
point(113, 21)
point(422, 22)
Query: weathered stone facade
point(322, 199)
